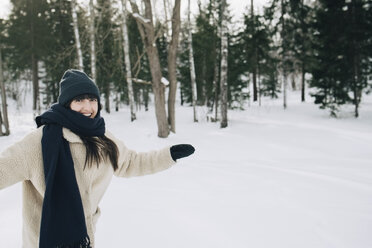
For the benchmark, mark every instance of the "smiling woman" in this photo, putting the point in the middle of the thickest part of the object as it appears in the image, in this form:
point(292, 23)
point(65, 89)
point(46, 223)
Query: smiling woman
point(85, 104)
point(67, 164)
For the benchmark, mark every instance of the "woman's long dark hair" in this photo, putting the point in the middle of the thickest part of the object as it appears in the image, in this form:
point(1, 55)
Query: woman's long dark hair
point(98, 149)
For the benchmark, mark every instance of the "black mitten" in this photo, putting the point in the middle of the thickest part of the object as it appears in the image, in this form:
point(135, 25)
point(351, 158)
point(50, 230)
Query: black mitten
point(180, 151)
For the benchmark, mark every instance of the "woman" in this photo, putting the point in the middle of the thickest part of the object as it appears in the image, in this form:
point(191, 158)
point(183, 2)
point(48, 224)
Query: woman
point(67, 164)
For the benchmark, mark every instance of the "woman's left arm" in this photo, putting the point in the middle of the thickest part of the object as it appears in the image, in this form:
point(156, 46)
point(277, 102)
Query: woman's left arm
point(16, 160)
point(132, 163)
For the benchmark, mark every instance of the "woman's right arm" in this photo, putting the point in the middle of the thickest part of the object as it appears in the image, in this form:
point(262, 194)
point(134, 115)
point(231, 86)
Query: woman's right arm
point(16, 160)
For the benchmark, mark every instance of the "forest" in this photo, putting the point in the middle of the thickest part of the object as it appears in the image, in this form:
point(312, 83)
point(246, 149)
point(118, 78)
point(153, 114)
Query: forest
point(138, 55)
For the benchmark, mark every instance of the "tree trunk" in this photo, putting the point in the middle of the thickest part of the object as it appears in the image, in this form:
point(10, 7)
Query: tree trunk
point(259, 87)
point(172, 64)
point(166, 20)
point(146, 98)
point(93, 65)
point(215, 85)
point(285, 83)
point(224, 53)
point(77, 37)
point(254, 59)
point(147, 32)
point(216, 73)
point(128, 68)
point(106, 92)
point(254, 80)
point(356, 70)
point(203, 95)
point(3, 98)
point(34, 62)
point(192, 64)
point(303, 82)
point(35, 84)
point(303, 62)
point(293, 81)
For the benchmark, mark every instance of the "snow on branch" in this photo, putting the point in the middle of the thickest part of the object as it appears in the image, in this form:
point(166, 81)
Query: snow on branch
point(141, 19)
point(164, 81)
point(140, 81)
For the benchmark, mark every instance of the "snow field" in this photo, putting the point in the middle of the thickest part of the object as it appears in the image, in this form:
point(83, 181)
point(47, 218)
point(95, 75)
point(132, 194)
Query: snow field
point(273, 178)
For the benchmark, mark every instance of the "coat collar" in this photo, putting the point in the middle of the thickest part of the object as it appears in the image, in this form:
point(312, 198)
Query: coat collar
point(70, 136)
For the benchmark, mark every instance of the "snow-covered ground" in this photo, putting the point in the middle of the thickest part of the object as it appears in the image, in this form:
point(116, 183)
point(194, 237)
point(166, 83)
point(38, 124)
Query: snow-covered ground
point(272, 179)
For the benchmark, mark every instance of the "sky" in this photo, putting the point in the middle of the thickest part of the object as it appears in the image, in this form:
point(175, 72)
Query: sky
point(237, 7)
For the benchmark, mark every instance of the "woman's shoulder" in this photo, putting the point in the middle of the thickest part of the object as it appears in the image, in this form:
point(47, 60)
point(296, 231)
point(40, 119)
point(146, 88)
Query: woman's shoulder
point(34, 135)
point(29, 143)
point(112, 137)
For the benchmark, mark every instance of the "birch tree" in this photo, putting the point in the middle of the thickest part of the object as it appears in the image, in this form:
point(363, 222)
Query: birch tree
point(4, 117)
point(128, 68)
point(224, 53)
point(148, 36)
point(284, 68)
point(77, 37)
point(34, 58)
point(192, 64)
point(93, 64)
point(254, 59)
point(106, 51)
point(166, 19)
point(172, 64)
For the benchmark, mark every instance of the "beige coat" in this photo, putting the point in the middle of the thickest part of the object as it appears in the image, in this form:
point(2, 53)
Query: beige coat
point(23, 162)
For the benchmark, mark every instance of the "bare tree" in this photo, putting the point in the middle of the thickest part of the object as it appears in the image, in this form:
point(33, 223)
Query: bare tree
point(215, 84)
point(3, 101)
point(166, 20)
point(284, 69)
point(128, 68)
point(92, 41)
point(76, 33)
point(254, 59)
point(34, 61)
point(192, 64)
point(224, 53)
point(172, 64)
point(147, 32)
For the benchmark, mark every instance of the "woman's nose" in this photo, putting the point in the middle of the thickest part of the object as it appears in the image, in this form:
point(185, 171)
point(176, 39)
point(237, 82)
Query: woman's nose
point(86, 104)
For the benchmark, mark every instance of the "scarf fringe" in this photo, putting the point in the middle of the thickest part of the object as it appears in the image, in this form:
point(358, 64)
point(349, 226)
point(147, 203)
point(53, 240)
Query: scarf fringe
point(83, 243)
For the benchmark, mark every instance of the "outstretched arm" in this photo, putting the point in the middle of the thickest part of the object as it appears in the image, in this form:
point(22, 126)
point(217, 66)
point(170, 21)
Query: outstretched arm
point(132, 163)
point(13, 162)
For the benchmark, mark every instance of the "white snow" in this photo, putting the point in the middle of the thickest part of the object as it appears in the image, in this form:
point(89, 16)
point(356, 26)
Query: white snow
point(273, 179)
point(164, 81)
point(141, 18)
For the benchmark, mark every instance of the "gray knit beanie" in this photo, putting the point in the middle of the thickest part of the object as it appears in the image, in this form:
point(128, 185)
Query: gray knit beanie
point(75, 83)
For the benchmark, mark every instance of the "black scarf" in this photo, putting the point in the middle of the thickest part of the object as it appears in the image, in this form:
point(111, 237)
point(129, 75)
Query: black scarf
point(63, 220)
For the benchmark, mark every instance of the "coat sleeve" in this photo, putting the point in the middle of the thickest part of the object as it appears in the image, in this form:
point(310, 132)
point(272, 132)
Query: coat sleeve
point(15, 160)
point(132, 163)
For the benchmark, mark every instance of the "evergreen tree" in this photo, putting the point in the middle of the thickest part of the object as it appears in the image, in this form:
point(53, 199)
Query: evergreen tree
point(342, 55)
point(105, 50)
point(61, 53)
point(256, 41)
point(205, 41)
point(184, 69)
point(140, 66)
point(302, 36)
point(28, 38)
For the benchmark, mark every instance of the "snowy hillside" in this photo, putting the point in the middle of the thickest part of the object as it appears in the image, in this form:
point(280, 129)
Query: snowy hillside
point(272, 179)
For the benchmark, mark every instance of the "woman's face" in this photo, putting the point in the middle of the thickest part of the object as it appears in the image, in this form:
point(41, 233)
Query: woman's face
point(86, 106)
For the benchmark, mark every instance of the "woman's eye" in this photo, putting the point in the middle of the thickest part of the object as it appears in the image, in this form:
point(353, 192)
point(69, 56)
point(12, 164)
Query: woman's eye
point(93, 100)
